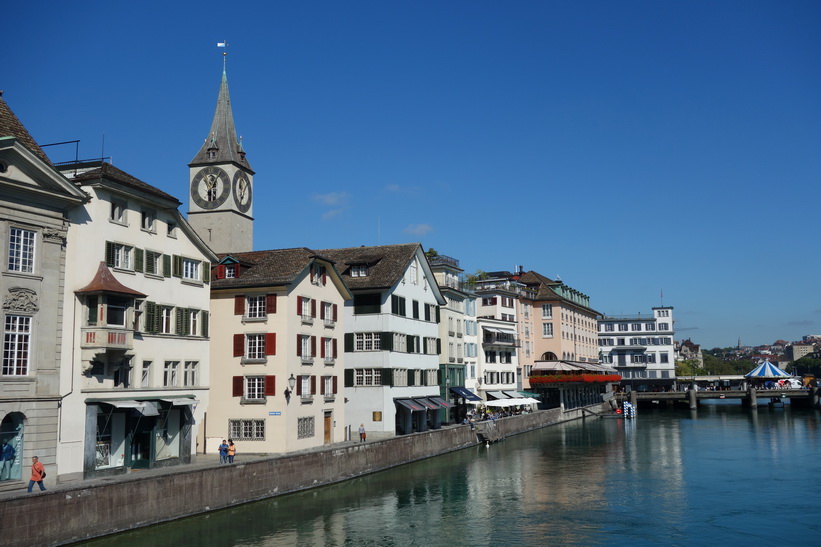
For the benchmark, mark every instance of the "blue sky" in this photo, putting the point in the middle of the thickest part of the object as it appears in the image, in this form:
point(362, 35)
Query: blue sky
point(628, 147)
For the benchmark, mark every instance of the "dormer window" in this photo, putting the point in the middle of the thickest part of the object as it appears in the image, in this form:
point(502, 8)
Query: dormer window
point(148, 220)
point(318, 275)
point(212, 154)
point(227, 271)
point(359, 270)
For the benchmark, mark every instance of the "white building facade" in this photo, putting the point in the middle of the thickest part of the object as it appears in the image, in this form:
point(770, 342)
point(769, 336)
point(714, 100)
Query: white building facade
point(497, 303)
point(641, 348)
point(135, 375)
point(392, 342)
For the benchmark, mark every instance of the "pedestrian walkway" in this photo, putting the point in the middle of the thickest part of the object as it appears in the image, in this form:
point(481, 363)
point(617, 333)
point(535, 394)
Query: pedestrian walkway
point(198, 461)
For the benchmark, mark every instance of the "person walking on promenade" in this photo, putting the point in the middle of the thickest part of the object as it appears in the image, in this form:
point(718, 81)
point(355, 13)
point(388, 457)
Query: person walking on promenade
point(362, 433)
point(232, 450)
point(38, 473)
point(223, 448)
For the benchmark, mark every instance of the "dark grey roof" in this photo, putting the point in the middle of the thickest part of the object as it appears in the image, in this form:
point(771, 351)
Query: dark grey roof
point(264, 268)
point(386, 264)
point(223, 136)
point(10, 126)
point(109, 172)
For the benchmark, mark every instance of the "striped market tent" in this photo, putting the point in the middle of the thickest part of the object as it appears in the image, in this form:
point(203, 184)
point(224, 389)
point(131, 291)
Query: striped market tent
point(767, 370)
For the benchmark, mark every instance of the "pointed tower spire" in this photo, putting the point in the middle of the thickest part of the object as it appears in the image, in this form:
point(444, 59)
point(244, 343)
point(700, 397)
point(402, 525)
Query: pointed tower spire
point(222, 145)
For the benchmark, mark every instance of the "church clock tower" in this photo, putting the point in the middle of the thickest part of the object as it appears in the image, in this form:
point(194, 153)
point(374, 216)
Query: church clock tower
point(221, 184)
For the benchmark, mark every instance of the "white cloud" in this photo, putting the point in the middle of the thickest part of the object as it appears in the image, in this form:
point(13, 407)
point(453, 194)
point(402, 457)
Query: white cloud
point(328, 215)
point(331, 198)
point(418, 229)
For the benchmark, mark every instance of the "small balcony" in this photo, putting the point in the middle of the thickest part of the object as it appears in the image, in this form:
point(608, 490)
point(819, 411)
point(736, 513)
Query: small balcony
point(501, 340)
point(107, 339)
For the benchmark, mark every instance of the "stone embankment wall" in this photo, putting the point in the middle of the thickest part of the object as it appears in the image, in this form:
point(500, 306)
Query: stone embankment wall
point(78, 511)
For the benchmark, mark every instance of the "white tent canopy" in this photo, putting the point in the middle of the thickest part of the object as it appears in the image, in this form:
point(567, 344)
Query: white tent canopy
point(767, 370)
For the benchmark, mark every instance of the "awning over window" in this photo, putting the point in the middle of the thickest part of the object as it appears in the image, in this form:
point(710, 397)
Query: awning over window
point(465, 394)
point(182, 401)
point(123, 404)
point(146, 408)
point(427, 403)
point(513, 394)
point(441, 402)
point(410, 404)
point(497, 395)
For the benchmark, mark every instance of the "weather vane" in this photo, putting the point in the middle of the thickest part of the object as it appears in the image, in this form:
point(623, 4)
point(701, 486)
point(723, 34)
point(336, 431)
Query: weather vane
point(223, 45)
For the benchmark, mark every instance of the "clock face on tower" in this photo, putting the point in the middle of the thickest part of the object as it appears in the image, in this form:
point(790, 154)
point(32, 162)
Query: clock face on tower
point(242, 191)
point(210, 187)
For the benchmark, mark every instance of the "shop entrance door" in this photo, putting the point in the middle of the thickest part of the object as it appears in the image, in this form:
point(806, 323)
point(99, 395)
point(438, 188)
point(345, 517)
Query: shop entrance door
point(141, 441)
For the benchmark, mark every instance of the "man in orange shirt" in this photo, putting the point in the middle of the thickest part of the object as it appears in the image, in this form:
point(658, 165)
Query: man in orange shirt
point(38, 472)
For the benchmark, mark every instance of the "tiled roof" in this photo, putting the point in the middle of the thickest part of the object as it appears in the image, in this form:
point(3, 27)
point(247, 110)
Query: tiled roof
point(104, 281)
point(262, 268)
point(386, 264)
point(542, 284)
point(10, 126)
point(109, 172)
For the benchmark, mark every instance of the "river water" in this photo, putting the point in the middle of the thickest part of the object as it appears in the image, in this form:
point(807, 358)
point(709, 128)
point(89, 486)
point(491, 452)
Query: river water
point(719, 475)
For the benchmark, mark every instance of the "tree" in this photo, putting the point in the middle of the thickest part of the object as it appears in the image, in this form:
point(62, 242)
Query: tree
point(688, 367)
point(807, 365)
point(472, 279)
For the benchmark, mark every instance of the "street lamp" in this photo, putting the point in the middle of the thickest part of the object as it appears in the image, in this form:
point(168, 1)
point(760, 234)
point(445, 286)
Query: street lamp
point(290, 389)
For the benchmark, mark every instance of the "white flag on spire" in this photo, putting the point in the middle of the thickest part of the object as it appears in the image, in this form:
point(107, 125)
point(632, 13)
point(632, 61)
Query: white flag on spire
point(221, 44)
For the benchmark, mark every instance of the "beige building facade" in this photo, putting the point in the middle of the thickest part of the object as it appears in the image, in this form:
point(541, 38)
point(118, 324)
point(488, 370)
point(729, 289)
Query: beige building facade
point(278, 327)
point(34, 204)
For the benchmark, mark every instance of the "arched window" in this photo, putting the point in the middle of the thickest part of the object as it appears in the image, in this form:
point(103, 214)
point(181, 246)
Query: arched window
point(549, 356)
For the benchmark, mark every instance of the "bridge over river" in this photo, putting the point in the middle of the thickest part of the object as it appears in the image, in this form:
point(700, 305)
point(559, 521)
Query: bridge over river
point(804, 398)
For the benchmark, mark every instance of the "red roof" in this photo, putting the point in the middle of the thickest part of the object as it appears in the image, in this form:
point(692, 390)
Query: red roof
point(104, 281)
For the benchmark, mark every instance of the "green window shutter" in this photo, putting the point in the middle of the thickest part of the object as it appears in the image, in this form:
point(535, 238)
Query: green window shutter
point(177, 266)
point(394, 304)
point(348, 377)
point(439, 346)
point(402, 309)
point(179, 317)
point(387, 377)
point(348, 343)
point(139, 259)
point(427, 312)
point(150, 262)
point(109, 254)
point(166, 265)
point(437, 315)
point(386, 340)
point(150, 317)
point(206, 271)
point(410, 344)
point(204, 320)
point(411, 377)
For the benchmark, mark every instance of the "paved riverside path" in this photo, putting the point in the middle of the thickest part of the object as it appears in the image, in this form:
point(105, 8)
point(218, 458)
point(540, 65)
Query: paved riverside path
point(198, 461)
